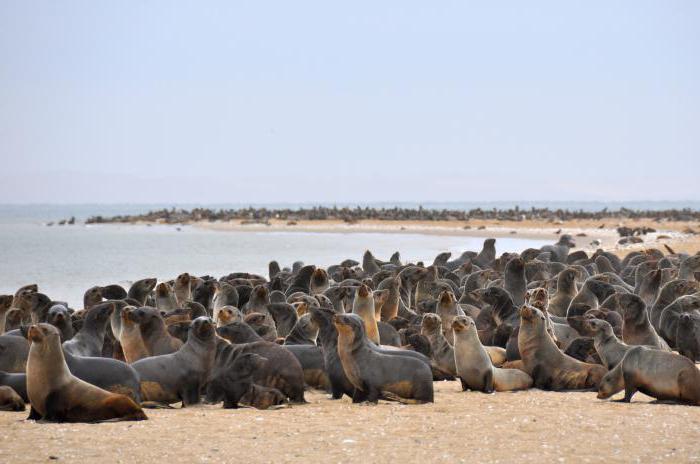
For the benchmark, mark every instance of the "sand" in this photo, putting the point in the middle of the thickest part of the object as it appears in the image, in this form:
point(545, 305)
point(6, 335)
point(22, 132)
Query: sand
point(530, 426)
point(585, 232)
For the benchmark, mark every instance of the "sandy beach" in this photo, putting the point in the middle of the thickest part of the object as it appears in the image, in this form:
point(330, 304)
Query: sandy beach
point(531, 426)
point(676, 234)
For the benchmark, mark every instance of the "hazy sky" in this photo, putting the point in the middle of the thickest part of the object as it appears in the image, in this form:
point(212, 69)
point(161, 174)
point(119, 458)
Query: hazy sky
point(260, 101)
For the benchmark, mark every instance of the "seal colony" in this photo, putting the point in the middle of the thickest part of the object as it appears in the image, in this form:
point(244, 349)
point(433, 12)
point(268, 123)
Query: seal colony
point(371, 329)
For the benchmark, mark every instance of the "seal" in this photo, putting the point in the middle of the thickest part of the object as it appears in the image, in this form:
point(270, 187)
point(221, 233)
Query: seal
point(56, 395)
point(441, 351)
point(10, 400)
point(311, 359)
point(305, 332)
point(688, 336)
point(180, 376)
point(261, 397)
point(285, 317)
point(514, 280)
point(328, 338)
point(16, 381)
point(154, 334)
point(447, 308)
point(14, 351)
point(376, 375)
point(609, 348)
point(566, 291)
point(260, 323)
point(542, 360)
point(232, 385)
point(668, 324)
point(319, 282)
point(182, 288)
point(668, 294)
point(59, 317)
point(224, 295)
point(660, 374)
point(165, 298)
point(363, 306)
point(473, 364)
point(227, 315)
point(91, 337)
point(636, 327)
point(141, 289)
point(5, 305)
point(281, 371)
point(131, 341)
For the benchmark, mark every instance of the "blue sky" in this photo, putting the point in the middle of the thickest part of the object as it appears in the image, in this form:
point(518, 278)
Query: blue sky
point(260, 101)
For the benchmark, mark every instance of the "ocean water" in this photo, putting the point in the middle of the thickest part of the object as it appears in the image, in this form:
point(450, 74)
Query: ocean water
point(65, 261)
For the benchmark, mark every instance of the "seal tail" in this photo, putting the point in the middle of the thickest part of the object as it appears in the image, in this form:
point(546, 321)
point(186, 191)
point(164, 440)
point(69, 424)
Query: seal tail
point(389, 396)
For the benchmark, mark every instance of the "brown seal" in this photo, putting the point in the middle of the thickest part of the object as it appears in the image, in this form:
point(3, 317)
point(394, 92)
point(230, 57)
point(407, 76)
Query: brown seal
point(660, 374)
point(473, 364)
point(56, 395)
point(130, 337)
point(363, 306)
point(10, 400)
point(549, 368)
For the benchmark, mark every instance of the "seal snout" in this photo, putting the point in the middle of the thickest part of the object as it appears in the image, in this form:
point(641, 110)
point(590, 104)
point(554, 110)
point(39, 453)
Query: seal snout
point(35, 334)
point(363, 291)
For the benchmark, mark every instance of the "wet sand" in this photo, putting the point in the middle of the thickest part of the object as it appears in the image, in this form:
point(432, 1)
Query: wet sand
point(674, 234)
point(531, 426)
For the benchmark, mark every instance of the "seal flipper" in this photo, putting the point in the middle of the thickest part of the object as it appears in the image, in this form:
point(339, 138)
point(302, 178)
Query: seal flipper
point(488, 381)
point(55, 408)
point(359, 396)
point(34, 414)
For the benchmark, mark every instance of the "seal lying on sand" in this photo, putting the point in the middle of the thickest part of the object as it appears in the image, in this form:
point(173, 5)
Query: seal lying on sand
point(56, 395)
point(659, 374)
point(376, 375)
point(473, 364)
point(10, 400)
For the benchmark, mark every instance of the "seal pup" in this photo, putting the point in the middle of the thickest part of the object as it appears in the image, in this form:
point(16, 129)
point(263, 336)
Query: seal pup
point(328, 339)
point(376, 375)
point(319, 282)
point(447, 308)
point(233, 384)
point(609, 348)
point(668, 324)
point(16, 381)
point(667, 295)
point(304, 332)
point(59, 317)
point(224, 295)
point(473, 363)
point(180, 376)
point(514, 280)
point(542, 360)
point(56, 395)
point(636, 327)
point(227, 315)
point(660, 374)
point(363, 306)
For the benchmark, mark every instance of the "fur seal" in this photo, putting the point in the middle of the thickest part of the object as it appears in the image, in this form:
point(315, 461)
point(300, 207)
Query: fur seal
point(59, 317)
point(10, 400)
point(180, 376)
point(224, 295)
point(227, 315)
point(609, 348)
point(131, 341)
point(363, 306)
point(549, 368)
point(182, 289)
point(688, 336)
point(165, 298)
point(447, 308)
point(235, 383)
point(328, 338)
point(660, 374)
point(441, 351)
point(667, 295)
point(154, 333)
point(141, 289)
point(57, 395)
point(473, 363)
point(16, 381)
point(281, 371)
point(319, 282)
point(668, 324)
point(376, 375)
point(514, 280)
point(305, 332)
point(566, 291)
point(90, 339)
point(636, 327)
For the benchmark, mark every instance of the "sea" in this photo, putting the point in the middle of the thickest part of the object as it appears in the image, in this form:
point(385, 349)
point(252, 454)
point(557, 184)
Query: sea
point(67, 260)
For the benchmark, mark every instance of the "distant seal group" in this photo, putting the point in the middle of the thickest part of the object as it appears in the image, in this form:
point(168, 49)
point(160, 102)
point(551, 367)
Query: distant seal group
point(370, 330)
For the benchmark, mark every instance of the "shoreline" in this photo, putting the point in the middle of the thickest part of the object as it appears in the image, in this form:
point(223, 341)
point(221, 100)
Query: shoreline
point(584, 232)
